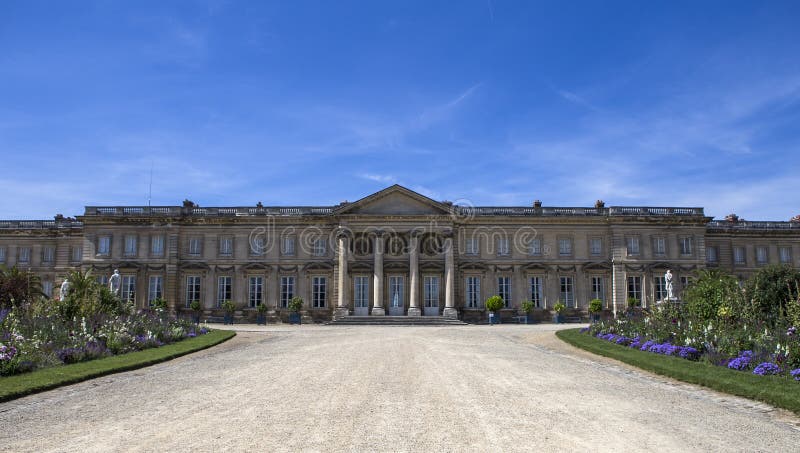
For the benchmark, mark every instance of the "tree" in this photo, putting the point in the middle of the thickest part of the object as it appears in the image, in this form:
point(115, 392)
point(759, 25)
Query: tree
point(772, 288)
point(711, 291)
point(18, 287)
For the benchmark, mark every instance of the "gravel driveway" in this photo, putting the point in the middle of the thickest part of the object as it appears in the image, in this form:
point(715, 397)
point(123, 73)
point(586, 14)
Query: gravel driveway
point(326, 388)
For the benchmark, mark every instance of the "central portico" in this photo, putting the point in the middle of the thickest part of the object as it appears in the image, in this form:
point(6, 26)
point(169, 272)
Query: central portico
point(400, 242)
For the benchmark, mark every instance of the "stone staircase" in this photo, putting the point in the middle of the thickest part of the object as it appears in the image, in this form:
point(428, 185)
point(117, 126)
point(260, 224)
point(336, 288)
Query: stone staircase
point(396, 321)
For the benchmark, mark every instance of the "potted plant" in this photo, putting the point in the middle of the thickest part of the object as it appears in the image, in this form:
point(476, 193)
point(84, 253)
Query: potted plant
point(595, 307)
point(527, 308)
point(494, 304)
point(261, 314)
point(229, 308)
point(295, 305)
point(158, 304)
point(196, 308)
point(559, 308)
point(633, 304)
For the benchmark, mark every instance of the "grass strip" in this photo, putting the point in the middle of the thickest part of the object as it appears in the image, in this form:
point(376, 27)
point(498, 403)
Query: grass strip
point(19, 385)
point(776, 390)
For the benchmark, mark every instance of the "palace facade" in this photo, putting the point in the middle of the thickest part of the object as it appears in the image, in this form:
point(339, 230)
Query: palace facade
point(395, 252)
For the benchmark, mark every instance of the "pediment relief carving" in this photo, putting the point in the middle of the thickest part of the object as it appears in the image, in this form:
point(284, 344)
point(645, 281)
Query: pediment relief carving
point(394, 200)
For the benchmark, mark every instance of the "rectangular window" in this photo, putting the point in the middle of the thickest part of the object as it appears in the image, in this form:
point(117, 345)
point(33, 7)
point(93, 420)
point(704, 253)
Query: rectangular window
point(195, 246)
point(471, 246)
point(596, 246)
point(224, 289)
point(635, 288)
point(102, 280)
point(192, 289)
point(504, 290)
point(76, 254)
point(320, 247)
point(598, 288)
point(157, 245)
point(361, 292)
point(535, 247)
point(738, 255)
point(47, 288)
point(25, 255)
point(761, 255)
point(785, 254)
point(661, 287)
point(48, 254)
point(2, 254)
point(104, 245)
point(396, 292)
point(685, 282)
point(128, 290)
point(565, 247)
point(567, 291)
point(255, 291)
point(633, 245)
point(535, 284)
point(319, 292)
point(431, 285)
point(287, 247)
point(473, 292)
point(287, 290)
point(711, 254)
point(659, 246)
point(130, 245)
point(225, 246)
point(686, 245)
point(257, 247)
point(155, 289)
point(502, 246)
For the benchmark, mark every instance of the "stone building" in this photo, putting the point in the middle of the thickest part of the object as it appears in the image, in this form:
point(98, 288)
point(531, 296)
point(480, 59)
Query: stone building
point(395, 252)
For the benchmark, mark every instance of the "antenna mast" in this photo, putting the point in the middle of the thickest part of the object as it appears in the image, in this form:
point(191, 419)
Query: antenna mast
point(150, 192)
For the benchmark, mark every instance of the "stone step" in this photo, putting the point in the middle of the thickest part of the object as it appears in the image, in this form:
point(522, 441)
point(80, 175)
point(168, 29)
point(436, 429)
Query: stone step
point(396, 321)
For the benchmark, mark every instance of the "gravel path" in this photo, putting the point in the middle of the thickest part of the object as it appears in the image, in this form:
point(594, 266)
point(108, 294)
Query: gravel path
point(320, 388)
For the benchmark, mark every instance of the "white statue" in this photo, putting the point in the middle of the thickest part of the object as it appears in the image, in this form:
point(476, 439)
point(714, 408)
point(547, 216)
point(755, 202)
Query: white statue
point(64, 289)
point(114, 283)
point(668, 280)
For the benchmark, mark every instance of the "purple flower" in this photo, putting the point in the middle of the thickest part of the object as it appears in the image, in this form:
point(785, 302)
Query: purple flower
point(584, 329)
point(792, 330)
point(689, 353)
point(739, 363)
point(647, 345)
point(766, 369)
point(795, 374)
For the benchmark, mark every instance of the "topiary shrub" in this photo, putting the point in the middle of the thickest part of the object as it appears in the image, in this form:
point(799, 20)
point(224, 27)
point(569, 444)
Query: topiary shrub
point(495, 303)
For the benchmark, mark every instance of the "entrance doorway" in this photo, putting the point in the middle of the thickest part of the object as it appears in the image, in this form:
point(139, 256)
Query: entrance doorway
point(396, 301)
point(431, 285)
point(361, 295)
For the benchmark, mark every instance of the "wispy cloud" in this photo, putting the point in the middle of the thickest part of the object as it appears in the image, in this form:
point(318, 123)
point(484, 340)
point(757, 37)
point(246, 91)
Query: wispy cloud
point(385, 179)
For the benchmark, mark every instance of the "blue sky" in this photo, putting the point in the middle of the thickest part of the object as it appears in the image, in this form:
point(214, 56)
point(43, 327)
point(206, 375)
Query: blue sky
point(482, 102)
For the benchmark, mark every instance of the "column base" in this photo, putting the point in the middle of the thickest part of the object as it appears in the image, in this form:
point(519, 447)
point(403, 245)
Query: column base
point(341, 312)
point(450, 312)
point(378, 311)
point(414, 312)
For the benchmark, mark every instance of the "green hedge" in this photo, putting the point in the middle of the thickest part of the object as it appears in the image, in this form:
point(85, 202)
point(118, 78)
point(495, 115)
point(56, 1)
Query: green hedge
point(15, 386)
point(775, 390)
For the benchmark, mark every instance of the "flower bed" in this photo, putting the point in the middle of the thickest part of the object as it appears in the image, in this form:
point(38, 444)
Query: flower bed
point(782, 361)
point(31, 340)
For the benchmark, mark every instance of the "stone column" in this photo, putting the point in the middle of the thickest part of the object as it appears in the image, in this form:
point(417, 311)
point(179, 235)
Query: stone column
point(449, 277)
point(413, 275)
point(377, 284)
point(341, 303)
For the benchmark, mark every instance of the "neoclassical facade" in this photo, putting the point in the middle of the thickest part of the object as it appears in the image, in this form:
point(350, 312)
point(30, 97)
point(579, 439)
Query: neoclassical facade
point(395, 252)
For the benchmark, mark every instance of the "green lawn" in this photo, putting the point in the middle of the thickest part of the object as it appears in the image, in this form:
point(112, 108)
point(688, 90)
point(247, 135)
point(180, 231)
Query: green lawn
point(49, 378)
point(777, 391)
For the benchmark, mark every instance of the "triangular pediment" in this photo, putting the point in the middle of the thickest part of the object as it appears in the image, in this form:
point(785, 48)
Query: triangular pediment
point(395, 200)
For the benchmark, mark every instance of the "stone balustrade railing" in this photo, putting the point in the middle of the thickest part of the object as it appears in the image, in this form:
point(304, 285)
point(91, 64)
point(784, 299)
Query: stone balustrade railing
point(39, 224)
point(752, 225)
